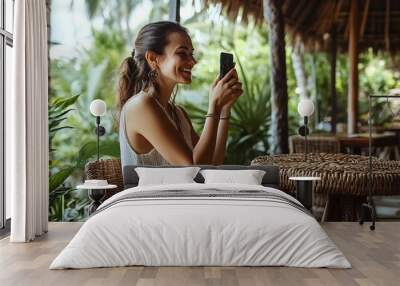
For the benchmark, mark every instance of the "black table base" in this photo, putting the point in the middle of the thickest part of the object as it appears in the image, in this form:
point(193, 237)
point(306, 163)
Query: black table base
point(304, 193)
point(96, 197)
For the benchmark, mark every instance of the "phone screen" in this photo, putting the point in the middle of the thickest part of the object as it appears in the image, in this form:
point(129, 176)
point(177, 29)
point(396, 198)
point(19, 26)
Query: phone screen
point(226, 64)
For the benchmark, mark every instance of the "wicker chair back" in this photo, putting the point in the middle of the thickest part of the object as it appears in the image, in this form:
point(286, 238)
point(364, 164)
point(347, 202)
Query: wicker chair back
point(315, 144)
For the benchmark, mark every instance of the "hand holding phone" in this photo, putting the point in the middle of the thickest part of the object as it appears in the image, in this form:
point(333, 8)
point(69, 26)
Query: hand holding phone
point(226, 88)
point(225, 64)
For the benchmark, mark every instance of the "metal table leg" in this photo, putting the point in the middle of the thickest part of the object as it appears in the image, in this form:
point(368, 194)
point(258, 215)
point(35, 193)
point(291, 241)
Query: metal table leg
point(304, 193)
point(96, 197)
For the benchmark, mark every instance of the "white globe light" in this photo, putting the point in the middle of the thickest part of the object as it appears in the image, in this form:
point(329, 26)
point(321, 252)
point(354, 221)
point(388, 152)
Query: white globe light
point(305, 107)
point(98, 107)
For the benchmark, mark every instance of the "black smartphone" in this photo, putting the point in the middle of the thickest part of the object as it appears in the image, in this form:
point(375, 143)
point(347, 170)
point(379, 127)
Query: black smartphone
point(225, 64)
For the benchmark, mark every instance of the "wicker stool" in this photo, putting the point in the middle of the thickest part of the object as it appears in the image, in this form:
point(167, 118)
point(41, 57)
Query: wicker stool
point(344, 179)
point(108, 169)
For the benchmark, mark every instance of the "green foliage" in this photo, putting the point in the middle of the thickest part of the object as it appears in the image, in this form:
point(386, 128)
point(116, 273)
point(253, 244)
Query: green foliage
point(66, 205)
point(57, 179)
point(250, 120)
point(58, 111)
point(59, 192)
point(375, 76)
point(376, 79)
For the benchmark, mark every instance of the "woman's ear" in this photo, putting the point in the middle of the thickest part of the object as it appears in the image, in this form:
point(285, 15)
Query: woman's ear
point(152, 59)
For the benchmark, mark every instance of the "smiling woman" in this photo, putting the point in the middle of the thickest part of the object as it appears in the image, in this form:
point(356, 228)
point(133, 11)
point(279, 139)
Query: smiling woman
point(153, 130)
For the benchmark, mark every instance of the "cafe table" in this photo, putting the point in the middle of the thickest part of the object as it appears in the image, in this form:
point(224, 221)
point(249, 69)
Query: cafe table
point(354, 143)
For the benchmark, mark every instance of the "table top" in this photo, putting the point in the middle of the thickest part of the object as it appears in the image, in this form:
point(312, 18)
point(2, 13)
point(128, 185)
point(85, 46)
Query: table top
point(305, 178)
point(89, 187)
point(362, 139)
point(339, 173)
point(395, 127)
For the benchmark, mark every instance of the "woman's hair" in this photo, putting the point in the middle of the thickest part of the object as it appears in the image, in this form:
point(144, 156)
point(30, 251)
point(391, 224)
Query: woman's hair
point(135, 72)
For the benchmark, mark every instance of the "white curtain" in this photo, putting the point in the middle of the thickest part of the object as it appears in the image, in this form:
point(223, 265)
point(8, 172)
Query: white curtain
point(27, 123)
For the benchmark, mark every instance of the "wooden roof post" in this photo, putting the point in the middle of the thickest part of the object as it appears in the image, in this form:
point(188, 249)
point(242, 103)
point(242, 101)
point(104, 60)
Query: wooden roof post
point(279, 141)
point(333, 80)
point(352, 106)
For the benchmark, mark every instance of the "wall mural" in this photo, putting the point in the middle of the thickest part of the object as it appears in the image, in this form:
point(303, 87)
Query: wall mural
point(86, 56)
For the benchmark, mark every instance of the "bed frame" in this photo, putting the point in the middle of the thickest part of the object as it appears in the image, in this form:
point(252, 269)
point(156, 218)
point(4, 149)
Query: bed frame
point(110, 170)
point(270, 179)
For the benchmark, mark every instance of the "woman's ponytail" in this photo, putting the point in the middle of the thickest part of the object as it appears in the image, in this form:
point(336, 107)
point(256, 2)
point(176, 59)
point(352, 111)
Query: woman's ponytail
point(128, 80)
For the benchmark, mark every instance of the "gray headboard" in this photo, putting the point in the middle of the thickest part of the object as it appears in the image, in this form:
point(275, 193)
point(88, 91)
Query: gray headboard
point(270, 179)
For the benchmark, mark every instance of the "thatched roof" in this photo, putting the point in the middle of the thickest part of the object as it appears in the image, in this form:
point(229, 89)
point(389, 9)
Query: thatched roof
point(311, 21)
point(244, 9)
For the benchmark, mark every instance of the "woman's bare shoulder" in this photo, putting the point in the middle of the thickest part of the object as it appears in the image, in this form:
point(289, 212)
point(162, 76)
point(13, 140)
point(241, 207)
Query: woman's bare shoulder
point(140, 102)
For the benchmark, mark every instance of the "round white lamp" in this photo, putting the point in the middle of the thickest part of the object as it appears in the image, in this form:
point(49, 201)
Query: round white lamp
point(98, 108)
point(305, 108)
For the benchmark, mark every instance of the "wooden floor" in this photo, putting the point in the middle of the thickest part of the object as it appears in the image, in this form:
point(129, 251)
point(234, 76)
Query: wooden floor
point(375, 257)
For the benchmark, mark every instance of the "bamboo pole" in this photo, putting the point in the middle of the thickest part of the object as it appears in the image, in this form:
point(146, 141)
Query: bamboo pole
point(352, 106)
point(279, 141)
point(333, 80)
point(364, 19)
point(387, 22)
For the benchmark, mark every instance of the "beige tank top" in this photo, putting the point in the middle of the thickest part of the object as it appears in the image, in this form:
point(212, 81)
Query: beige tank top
point(154, 158)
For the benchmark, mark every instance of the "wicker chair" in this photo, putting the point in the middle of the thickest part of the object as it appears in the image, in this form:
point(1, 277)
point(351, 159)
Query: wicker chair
point(315, 144)
point(108, 169)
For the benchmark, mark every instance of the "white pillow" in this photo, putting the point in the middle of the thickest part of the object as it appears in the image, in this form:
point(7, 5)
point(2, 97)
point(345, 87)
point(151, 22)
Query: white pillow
point(248, 177)
point(163, 176)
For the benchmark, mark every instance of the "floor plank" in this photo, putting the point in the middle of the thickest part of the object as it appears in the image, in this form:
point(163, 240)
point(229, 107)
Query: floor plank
point(374, 255)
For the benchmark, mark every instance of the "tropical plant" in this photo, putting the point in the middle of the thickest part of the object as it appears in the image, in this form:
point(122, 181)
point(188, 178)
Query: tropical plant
point(377, 79)
point(58, 111)
point(59, 191)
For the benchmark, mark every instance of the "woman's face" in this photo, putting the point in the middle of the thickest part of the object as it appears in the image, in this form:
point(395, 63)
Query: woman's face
point(176, 64)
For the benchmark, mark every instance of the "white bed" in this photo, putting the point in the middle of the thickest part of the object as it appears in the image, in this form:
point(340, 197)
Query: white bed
point(185, 230)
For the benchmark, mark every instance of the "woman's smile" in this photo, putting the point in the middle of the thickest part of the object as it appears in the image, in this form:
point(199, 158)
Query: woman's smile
point(186, 72)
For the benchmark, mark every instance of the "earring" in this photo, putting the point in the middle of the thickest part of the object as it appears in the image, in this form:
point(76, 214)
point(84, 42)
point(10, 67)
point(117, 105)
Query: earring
point(152, 75)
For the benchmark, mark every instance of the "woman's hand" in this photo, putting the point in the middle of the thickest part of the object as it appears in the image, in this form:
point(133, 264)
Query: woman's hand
point(225, 92)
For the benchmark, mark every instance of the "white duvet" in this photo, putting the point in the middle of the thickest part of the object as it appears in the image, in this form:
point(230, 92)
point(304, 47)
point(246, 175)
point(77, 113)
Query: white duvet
point(200, 231)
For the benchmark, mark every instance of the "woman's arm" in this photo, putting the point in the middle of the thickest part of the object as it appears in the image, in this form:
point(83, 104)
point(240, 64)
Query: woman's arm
point(222, 136)
point(204, 145)
point(204, 150)
point(223, 126)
